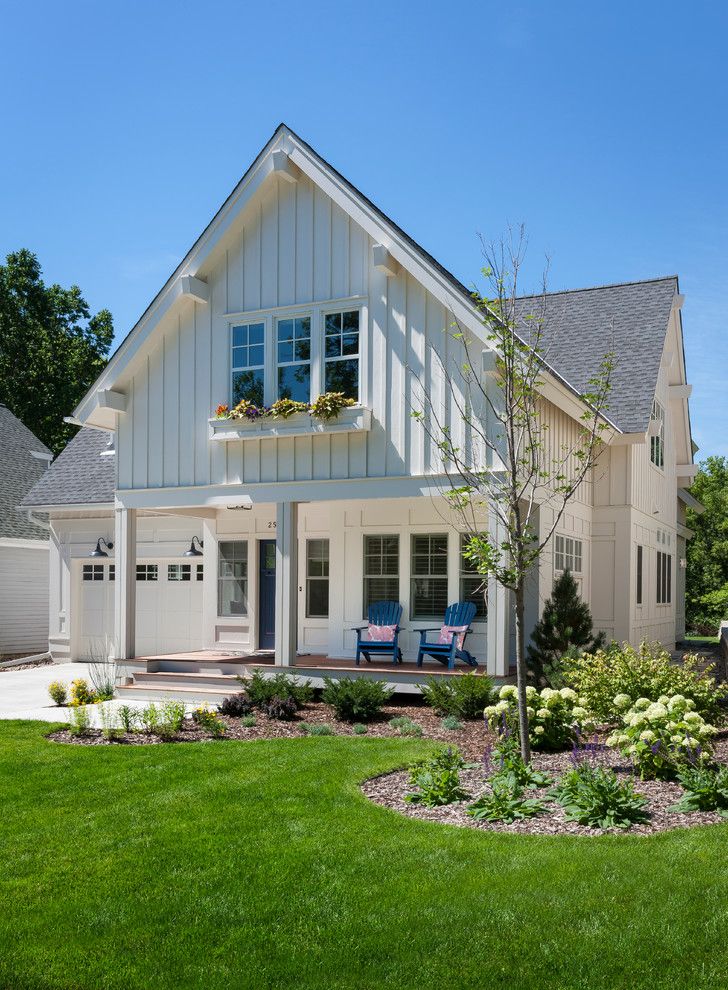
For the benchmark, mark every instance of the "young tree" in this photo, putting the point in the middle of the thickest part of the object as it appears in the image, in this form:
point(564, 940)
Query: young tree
point(51, 348)
point(566, 623)
point(507, 464)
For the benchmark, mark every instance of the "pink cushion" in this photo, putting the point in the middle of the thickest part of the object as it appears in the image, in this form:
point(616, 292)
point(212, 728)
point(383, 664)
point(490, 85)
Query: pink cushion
point(447, 633)
point(381, 634)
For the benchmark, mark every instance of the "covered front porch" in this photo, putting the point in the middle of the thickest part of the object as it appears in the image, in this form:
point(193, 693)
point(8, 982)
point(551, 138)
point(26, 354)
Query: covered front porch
point(283, 585)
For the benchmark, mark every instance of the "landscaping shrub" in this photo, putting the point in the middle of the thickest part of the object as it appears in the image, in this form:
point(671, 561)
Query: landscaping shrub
point(282, 709)
point(359, 729)
point(261, 690)
point(405, 726)
point(81, 693)
point(465, 696)
point(58, 692)
point(316, 730)
point(706, 788)
point(79, 720)
point(248, 721)
point(355, 699)
point(208, 720)
point(660, 736)
point(647, 672)
point(555, 718)
point(103, 678)
point(504, 802)
point(436, 780)
point(149, 717)
point(128, 717)
point(110, 727)
point(451, 723)
point(565, 627)
point(235, 706)
point(595, 796)
point(172, 717)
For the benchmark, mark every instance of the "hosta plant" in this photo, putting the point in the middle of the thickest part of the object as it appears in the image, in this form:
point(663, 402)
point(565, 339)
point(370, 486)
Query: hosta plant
point(705, 786)
point(660, 736)
point(436, 780)
point(555, 718)
point(595, 796)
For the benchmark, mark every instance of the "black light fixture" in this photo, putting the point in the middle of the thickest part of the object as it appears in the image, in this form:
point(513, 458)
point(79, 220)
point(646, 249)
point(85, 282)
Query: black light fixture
point(98, 552)
point(192, 552)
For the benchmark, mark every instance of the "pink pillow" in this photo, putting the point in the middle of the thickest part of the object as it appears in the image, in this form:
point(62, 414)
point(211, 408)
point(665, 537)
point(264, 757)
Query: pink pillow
point(447, 633)
point(381, 634)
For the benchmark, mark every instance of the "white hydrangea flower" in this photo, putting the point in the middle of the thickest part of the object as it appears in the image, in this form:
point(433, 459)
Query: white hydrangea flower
point(531, 692)
point(622, 701)
point(579, 713)
point(548, 693)
point(502, 706)
point(693, 717)
point(530, 711)
point(641, 704)
point(543, 713)
point(508, 691)
point(655, 712)
point(648, 736)
point(539, 730)
point(567, 694)
point(663, 699)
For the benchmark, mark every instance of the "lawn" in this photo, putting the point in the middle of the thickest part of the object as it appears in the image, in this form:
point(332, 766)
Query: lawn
point(237, 864)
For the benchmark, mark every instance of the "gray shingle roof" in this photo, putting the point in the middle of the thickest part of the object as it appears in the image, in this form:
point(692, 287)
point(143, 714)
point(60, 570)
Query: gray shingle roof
point(19, 471)
point(82, 474)
point(630, 320)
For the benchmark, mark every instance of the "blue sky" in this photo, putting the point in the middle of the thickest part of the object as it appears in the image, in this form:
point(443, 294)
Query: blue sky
point(602, 128)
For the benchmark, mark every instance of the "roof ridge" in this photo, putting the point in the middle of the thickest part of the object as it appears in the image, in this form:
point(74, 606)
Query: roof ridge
point(604, 285)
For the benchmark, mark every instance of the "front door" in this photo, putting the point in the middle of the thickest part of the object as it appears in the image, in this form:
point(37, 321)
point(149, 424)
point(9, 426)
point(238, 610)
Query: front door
point(267, 595)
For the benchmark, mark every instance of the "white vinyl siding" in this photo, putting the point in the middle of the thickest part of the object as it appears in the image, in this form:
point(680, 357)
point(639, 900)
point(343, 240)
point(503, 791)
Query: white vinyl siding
point(24, 599)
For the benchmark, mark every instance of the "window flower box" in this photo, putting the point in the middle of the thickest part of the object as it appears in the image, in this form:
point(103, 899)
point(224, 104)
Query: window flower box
point(355, 419)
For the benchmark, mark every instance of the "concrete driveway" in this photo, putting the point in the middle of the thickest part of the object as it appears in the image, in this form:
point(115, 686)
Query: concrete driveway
point(24, 693)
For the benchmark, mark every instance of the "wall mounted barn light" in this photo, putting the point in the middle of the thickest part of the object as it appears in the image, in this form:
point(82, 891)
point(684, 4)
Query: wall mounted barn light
point(192, 552)
point(98, 552)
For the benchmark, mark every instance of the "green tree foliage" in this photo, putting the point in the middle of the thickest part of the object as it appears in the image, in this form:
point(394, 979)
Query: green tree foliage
point(707, 552)
point(51, 348)
point(566, 624)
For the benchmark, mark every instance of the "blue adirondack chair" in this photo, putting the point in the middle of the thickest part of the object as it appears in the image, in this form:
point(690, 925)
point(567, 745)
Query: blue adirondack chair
point(459, 614)
point(380, 614)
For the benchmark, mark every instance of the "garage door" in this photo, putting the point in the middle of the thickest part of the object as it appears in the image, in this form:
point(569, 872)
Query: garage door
point(168, 604)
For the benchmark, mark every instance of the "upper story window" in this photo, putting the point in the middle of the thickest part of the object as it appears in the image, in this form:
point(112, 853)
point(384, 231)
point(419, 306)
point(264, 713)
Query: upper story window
point(567, 554)
point(248, 363)
point(341, 353)
point(293, 343)
point(664, 578)
point(657, 442)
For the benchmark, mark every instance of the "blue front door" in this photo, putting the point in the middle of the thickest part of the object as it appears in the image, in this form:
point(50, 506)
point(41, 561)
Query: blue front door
point(267, 595)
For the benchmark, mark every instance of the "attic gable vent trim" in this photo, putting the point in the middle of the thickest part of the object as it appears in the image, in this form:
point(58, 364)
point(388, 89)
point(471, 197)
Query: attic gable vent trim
point(384, 262)
point(194, 288)
point(284, 167)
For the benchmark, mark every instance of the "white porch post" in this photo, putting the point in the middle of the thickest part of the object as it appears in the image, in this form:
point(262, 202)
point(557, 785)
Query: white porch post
point(499, 615)
point(125, 583)
point(286, 583)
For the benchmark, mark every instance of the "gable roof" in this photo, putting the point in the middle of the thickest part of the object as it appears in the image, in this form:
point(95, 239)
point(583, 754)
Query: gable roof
point(630, 320)
point(82, 474)
point(19, 471)
point(579, 320)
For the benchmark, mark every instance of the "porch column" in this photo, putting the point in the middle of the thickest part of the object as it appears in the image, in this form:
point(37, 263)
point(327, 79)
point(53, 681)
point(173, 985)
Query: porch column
point(499, 613)
point(125, 526)
point(286, 583)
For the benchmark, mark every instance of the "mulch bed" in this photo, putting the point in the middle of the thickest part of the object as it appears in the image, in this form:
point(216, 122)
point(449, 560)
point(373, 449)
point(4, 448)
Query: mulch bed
point(389, 790)
point(471, 739)
point(23, 666)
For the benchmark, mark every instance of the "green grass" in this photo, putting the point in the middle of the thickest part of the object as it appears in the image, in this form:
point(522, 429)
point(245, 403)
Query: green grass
point(691, 641)
point(260, 865)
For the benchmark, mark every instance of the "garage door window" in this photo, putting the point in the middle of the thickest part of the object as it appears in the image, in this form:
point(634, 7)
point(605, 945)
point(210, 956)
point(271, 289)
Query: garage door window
point(146, 572)
point(179, 572)
point(232, 578)
point(93, 572)
point(112, 572)
point(200, 572)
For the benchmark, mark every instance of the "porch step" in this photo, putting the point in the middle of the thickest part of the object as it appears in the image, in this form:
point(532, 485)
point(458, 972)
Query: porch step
point(192, 679)
point(189, 694)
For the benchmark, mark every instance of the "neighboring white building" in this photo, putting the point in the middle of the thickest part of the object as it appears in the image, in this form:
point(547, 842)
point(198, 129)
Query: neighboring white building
point(23, 542)
point(300, 284)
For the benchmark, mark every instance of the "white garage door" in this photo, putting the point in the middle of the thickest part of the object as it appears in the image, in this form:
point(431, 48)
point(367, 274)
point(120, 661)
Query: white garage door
point(168, 606)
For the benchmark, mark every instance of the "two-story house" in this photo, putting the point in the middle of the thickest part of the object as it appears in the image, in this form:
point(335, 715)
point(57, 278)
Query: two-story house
point(272, 536)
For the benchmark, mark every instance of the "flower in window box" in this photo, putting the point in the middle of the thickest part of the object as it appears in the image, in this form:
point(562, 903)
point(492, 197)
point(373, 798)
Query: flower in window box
point(329, 405)
point(247, 410)
point(283, 408)
point(222, 411)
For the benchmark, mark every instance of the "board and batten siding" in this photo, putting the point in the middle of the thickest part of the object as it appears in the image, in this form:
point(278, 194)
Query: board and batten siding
point(292, 247)
point(24, 598)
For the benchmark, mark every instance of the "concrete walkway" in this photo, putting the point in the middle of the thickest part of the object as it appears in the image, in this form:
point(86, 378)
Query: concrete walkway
point(24, 693)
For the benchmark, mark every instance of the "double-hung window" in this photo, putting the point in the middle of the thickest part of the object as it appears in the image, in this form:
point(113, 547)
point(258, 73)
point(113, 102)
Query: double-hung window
point(341, 353)
point(428, 599)
point(293, 346)
point(640, 553)
point(567, 554)
point(381, 570)
point(657, 442)
point(472, 584)
point(664, 578)
point(248, 363)
point(317, 579)
point(232, 578)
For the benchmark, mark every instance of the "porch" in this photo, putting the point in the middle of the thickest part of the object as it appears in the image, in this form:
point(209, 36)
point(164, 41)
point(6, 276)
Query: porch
point(211, 675)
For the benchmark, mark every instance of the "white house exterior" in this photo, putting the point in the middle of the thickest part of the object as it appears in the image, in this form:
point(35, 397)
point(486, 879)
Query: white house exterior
point(23, 541)
point(298, 284)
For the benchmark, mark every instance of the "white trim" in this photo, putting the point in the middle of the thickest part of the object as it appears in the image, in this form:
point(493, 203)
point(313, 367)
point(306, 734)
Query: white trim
point(39, 455)
point(354, 419)
point(12, 543)
point(253, 315)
